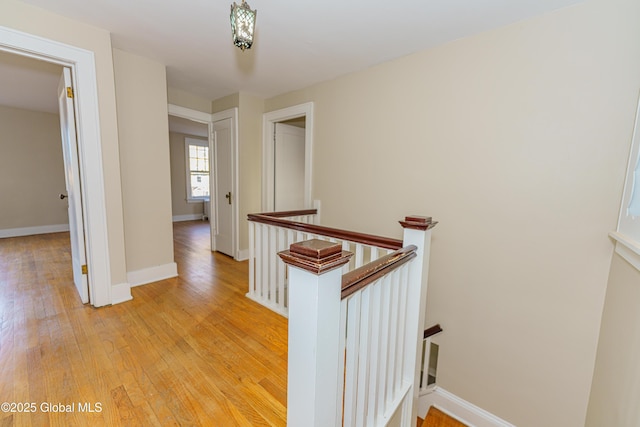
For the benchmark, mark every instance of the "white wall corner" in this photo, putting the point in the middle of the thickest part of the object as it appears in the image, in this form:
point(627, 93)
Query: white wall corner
point(120, 293)
point(243, 255)
point(458, 408)
point(152, 274)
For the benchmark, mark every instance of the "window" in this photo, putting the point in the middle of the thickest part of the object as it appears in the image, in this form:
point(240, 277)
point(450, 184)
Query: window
point(197, 160)
point(627, 235)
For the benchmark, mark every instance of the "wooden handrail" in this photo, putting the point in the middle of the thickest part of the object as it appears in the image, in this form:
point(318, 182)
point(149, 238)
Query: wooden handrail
point(431, 331)
point(283, 214)
point(357, 279)
point(336, 233)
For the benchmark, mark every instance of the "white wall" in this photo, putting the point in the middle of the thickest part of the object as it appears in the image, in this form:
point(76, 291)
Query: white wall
point(516, 140)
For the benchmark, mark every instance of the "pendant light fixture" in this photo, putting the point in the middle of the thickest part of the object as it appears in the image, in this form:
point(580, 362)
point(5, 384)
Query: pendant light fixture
point(243, 21)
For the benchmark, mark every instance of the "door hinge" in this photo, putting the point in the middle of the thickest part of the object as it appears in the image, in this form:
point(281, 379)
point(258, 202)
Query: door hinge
point(85, 270)
point(69, 92)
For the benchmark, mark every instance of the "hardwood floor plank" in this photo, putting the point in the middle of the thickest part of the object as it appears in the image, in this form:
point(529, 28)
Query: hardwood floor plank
point(190, 350)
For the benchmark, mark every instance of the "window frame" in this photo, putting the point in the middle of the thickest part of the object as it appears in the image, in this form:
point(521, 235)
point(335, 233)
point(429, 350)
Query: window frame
point(188, 142)
point(627, 234)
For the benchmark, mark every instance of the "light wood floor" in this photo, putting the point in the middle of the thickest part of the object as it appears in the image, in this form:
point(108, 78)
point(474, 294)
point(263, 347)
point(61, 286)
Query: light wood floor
point(186, 351)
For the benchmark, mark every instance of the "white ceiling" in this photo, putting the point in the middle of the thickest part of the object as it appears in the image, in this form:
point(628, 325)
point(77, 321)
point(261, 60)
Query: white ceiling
point(297, 43)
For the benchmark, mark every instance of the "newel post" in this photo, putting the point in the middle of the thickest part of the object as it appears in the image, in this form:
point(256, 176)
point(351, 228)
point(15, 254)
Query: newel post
point(315, 282)
point(417, 231)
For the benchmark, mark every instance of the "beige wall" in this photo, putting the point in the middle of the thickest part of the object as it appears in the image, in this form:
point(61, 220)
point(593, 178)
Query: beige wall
point(188, 100)
point(31, 169)
point(225, 103)
point(517, 141)
point(249, 161)
point(615, 391)
point(179, 204)
point(20, 16)
point(144, 160)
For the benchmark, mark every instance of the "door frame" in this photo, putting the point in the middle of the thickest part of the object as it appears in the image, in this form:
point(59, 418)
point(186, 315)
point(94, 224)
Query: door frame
point(208, 119)
point(231, 114)
point(83, 74)
point(268, 129)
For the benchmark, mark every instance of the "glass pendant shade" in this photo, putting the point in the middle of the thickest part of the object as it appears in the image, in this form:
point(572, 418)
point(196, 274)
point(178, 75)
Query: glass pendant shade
point(243, 21)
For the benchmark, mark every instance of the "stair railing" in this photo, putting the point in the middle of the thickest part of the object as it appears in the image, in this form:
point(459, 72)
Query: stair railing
point(270, 233)
point(427, 371)
point(355, 340)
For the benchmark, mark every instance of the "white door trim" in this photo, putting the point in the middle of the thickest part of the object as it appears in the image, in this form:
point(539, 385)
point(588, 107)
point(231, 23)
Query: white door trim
point(188, 113)
point(232, 114)
point(82, 64)
point(268, 128)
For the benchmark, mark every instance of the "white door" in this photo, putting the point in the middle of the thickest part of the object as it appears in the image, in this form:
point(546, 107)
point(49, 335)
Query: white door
point(72, 178)
point(222, 227)
point(289, 163)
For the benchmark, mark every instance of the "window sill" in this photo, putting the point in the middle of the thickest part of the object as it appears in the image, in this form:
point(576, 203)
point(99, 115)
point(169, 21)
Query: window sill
point(197, 200)
point(627, 248)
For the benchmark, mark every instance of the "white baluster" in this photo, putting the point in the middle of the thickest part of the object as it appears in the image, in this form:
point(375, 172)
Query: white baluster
point(259, 262)
point(359, 255)
point(264, 273)
point(252, 258)
point(351, 365)
point(374, 253)
point(273, 262)
point(363, 368)
point(280, 271)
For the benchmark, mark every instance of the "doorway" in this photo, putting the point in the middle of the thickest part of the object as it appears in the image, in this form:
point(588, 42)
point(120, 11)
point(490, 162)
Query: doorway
point(82, 65)
point(223, 182)
point(289, 165)
point(189, 152)
point(40, 171)
point(287, 158)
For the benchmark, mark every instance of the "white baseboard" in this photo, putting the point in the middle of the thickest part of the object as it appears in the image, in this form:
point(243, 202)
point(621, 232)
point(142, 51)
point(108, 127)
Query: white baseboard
point(30, 231)
point(188, 217)
point(120, 293)
point(152, 274)
point(243, 255)
point(458, 408)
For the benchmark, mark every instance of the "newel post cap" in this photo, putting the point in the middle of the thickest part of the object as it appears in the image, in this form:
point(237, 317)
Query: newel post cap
point(418, 222)
point(315, 256)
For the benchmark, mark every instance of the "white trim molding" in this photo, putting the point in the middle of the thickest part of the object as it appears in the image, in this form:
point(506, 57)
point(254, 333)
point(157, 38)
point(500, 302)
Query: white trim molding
point(188, 113)
point(188, 217)
point(121, 293)
point(269, 121)
point(243, 255)
point(30, 231)
point(152, 274)
point(82, 64)
point(627, 248)
point(458, 408)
